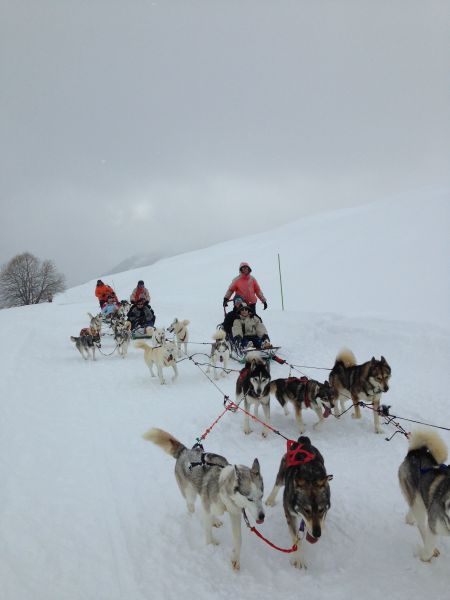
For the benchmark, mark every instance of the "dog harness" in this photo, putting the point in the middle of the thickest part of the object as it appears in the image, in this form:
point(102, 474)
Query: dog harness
point(243, 374)
point(296, 454)
point(443, 469)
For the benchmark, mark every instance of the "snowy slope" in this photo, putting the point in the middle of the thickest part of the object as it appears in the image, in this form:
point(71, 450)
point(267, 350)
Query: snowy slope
point(88, 510)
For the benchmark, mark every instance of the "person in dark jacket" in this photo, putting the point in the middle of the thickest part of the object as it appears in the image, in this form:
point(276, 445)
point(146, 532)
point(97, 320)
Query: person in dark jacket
point(141, 315)
point(232, 315)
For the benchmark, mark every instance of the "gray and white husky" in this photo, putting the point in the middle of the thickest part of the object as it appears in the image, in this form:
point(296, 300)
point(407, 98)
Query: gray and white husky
point(220, 352)
point(87, 342)
point(253, 387)
point(222, 487)
point(425, 483)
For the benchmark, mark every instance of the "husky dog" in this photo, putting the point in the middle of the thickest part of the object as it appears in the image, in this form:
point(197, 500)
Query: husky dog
point(95, 322)
point(425, 483)
point(253, 386)
point(304, 393)
point(123, 309)
point(157, 335)
point(220, 352)
point(179, 328)
point(364, 382)
point(221, 487)
point(122, 336)
point(162, 356)
point(306, 492)
point(87, 341)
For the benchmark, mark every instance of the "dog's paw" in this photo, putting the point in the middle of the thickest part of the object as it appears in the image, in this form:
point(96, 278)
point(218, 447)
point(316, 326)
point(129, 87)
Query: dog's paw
point(264, 433)
point(298, 563)
point(270, 501)
point(235, 562)
point(409, 519)
point(379, 430)
point(217, 523)
point(214, 541)
point(355, 416)
point(425, 556)
point(247, 430)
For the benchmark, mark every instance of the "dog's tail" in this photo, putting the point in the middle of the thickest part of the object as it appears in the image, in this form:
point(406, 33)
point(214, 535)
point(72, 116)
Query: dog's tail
point(165, 441)
point(141, 344)
point(73, 339)
point(185, 323)
point(425, 438)
point(219, 334)
point(276, 392)
point(347, 357)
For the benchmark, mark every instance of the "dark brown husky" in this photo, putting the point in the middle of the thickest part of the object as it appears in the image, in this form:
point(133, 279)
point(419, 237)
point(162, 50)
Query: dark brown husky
point(304, 393)
point(364, 382)
point(306, 492)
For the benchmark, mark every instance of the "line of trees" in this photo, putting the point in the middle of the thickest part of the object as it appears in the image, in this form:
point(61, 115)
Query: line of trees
point(25, 279)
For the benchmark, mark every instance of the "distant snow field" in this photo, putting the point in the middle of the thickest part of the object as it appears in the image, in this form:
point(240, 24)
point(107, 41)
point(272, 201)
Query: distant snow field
point(90, 511)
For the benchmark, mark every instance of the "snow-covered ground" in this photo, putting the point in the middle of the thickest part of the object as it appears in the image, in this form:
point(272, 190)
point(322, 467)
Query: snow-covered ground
point(90, 511)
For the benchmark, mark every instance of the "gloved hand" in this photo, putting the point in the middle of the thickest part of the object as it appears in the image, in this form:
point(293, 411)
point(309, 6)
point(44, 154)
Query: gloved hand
point(265, 305)
point(238, 340)
point(225, 302)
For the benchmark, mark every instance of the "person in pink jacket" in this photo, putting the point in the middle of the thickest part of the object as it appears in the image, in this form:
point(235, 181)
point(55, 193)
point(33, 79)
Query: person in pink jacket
point(245, 285)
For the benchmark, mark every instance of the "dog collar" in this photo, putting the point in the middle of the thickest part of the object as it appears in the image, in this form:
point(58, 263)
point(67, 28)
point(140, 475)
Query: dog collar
point(296, 454)
point(438, 468)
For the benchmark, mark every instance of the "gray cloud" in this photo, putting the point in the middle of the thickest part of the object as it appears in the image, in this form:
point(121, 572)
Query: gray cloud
point(142, 126)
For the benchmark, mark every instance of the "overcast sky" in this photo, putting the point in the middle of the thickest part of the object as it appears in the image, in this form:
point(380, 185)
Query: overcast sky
point(138, 126)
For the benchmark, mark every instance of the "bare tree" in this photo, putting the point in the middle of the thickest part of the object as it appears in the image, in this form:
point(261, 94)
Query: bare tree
point(27, 280)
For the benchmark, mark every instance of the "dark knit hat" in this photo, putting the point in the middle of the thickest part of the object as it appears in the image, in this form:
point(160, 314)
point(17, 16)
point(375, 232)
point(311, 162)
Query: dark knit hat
point(140, 282)
point(237, 299)
point(99, 282)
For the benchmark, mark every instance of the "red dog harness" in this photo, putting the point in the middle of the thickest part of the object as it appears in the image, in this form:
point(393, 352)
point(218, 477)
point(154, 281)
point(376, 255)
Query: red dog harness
point(296, 454)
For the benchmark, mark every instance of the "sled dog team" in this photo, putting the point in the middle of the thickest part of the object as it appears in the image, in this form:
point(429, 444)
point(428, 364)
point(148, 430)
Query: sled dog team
point(424, 479)
point(237, 489)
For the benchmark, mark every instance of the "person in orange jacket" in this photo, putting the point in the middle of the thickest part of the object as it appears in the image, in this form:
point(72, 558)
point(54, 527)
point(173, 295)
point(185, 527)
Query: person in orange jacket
point(246, 286)
point(102, 291)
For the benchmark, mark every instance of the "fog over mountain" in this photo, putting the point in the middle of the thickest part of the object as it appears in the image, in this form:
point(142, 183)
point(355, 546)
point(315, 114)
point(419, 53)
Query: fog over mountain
point(157, 127)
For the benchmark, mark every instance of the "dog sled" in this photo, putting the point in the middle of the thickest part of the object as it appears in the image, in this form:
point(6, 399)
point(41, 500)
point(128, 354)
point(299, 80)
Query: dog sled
point(267, 352)
point(141, 333)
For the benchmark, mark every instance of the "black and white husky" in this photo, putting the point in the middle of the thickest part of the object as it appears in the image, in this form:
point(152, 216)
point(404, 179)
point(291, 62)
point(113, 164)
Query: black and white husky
point(425, 483)
point(222, 487)
point(122, 336)
point(179, 328)
point(87, 342)
point(220, 353)
point(253, 387)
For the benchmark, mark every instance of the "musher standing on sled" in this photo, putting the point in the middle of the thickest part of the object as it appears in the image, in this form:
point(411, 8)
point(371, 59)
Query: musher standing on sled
point(246, 286)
